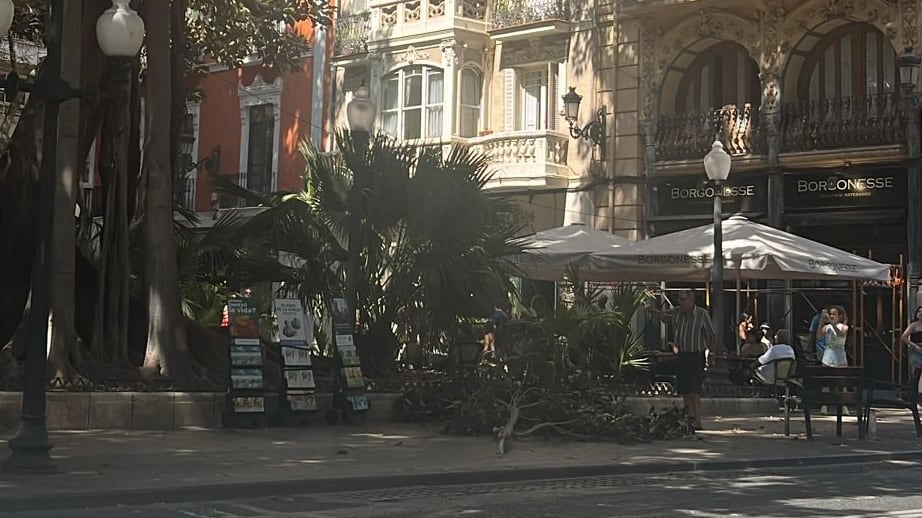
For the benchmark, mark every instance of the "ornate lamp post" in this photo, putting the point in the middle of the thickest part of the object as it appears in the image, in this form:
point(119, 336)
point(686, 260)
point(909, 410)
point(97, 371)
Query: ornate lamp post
point(361, 113)
point(594, 131)
point(909, 64)
point(717, 167)
point(120, 32)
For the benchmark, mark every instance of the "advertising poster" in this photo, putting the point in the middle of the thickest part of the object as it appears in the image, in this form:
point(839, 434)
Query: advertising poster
point(353, 376)
point(291, 323)
point(301, 379)
point(249, 404)
point(359, 401)
point(296, 356)
point(242, 318)
point(246, 355)
point(246, 378)
point(302, 402)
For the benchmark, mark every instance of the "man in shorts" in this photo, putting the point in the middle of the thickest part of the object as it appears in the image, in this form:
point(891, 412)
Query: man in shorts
point(694, 335)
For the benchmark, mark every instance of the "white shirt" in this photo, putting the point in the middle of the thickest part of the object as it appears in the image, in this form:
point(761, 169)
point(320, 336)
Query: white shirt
point(776, 352)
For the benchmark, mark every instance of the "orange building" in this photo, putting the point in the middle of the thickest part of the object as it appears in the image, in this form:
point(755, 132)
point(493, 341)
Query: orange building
point(250, 122)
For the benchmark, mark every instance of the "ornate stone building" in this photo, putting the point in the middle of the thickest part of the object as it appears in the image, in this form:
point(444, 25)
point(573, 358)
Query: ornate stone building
point(489, 74)
point(804, 94)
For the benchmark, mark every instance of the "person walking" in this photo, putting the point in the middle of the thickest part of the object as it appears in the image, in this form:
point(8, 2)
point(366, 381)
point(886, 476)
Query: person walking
point(912, 338)
point(694, 335)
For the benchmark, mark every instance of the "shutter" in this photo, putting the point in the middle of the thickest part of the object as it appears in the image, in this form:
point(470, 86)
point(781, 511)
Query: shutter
point(509, 91)
point(552, 96)
point(561, 91)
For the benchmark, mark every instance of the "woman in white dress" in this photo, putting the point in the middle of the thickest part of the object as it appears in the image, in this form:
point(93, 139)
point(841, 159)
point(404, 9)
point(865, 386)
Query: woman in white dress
point(834, 328)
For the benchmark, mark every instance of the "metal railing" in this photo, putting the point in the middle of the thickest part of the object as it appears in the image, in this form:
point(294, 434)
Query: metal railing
point(352, 33)
point(512, 13)
point(690, 135)
point(844, 122)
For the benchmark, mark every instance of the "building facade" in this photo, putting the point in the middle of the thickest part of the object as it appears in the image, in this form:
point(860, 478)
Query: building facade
point(489, 74)
point(805, 95)
point(248, 123)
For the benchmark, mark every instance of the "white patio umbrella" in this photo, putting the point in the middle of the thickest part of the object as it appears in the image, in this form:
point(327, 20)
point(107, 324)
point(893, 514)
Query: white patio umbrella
point(550, 253)
point(756, 251)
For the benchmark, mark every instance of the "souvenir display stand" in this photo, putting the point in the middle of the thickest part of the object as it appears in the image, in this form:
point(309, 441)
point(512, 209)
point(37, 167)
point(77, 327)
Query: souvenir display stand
point(245, 403)
point(349, 398)
point(297, 395)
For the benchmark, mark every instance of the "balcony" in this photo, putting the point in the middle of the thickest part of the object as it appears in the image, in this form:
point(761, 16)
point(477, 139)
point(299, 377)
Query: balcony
point(524, 159)
point(402, 22)
point(351, 34)
point(513, 20)
point(849, 122)
point(846, 122)
point(689, 136)
point(184, 193)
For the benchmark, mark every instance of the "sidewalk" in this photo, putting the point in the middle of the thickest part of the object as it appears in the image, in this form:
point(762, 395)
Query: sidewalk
point(132, 467)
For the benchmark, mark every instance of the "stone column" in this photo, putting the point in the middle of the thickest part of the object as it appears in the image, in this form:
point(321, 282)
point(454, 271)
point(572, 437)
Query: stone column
point(450, 60)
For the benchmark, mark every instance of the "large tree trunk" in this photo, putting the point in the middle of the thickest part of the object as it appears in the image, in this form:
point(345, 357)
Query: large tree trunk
point(69, 166)
point(167, 352)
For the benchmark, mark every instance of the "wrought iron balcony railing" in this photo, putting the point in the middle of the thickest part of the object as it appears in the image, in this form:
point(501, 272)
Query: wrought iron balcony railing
point(512, 13)
point(690, 135)
point(352, 32)
point(843, 122)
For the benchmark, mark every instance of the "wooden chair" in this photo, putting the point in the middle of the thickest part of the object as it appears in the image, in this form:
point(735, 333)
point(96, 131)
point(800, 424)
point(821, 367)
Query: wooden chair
point(785, 370)
point(833, 387)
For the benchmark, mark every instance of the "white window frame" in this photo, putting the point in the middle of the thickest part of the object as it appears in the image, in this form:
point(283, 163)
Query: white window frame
point(531, 78)
point(257, 93)
point(462, 108)
point(195, 111)
point(425, 106)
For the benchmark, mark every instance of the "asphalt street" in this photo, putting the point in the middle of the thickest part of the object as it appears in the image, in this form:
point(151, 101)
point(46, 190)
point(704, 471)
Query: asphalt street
point(866, 491)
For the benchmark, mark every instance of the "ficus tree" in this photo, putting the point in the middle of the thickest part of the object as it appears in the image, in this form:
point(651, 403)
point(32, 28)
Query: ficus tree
point(94, 272)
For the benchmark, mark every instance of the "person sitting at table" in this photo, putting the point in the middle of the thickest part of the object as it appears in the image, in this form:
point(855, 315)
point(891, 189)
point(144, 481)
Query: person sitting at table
point(780, 350)
point(753, 348)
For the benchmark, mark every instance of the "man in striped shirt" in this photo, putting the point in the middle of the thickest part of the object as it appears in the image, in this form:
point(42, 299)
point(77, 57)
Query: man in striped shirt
point(694, 334)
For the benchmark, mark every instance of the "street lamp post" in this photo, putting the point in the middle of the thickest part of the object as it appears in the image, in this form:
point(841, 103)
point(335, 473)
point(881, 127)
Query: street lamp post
point(909, 64)
point(360, 113)
point(717, 167)
point(29, 449)
point(593, 131)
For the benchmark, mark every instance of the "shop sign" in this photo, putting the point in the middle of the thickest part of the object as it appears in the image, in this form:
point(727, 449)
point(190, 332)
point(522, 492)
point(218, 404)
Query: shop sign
point(853, 190)
point(685, 196)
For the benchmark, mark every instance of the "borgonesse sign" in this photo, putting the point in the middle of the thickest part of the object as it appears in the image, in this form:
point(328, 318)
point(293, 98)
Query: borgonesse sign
point(729, 191)
point(845, 187)
point(690, 260)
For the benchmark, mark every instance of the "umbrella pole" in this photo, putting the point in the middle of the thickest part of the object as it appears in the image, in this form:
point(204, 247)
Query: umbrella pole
point(739, 309)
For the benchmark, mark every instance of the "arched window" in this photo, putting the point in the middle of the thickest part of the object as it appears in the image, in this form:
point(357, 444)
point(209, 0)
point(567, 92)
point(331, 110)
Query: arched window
point(412, 103)
point(723, 74)
point(471, 94)
point(854, 61)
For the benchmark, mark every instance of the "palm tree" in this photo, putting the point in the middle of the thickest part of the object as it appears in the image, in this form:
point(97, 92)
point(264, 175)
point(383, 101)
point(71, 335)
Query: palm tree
point(434, 246)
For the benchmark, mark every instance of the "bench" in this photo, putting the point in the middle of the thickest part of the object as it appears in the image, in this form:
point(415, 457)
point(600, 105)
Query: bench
point(882, 394)
point(833, 387)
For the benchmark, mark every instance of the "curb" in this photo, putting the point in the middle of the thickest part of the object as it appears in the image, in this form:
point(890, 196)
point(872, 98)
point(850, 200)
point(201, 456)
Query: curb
point(245, 490)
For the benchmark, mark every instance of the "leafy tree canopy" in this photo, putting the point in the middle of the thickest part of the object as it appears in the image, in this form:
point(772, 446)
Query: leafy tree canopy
point(225, 31)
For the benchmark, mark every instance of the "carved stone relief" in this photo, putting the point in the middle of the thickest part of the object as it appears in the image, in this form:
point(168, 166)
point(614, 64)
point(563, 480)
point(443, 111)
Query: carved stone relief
point(535, 51)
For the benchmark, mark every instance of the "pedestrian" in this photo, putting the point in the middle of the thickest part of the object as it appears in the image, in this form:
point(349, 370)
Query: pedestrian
point(912, 338)
point(833, 328)
point(819, 342)
point(765, 334)
point(694, 335)
point(743, 326)
point(780, 350)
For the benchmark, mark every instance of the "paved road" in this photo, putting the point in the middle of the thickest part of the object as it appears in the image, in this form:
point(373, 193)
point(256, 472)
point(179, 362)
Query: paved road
point(841, 492)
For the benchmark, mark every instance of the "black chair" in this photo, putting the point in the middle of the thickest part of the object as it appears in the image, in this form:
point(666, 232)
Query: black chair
point(883, 394)
point(833, 387)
